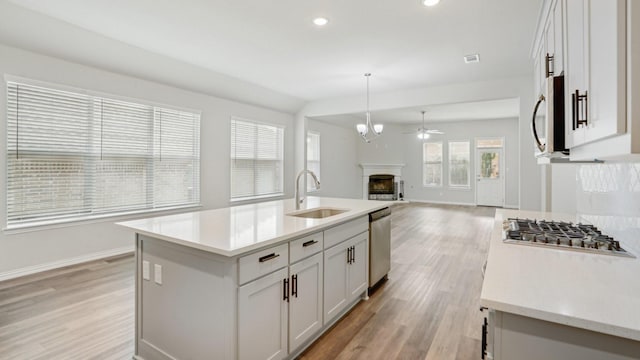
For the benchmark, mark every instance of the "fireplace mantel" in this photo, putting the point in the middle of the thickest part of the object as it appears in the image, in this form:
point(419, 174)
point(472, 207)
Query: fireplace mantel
point(369, 169)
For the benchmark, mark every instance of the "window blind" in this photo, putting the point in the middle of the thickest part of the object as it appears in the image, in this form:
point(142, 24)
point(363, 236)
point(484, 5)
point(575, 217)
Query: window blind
point(256, 159)
point(76, 155)
point(459, 164)
point(432, 167)
point(313, 157)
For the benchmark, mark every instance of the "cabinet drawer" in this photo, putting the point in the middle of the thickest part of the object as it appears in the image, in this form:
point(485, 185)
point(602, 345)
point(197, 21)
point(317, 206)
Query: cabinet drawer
point(263, 262)
point(306, 246)
point(345, 231)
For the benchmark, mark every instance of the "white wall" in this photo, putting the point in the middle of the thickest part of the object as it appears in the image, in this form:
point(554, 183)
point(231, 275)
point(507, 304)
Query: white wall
point(32, 250)
point(530, 173)
point(563, 188)
point(341, 175)
point(462, 131)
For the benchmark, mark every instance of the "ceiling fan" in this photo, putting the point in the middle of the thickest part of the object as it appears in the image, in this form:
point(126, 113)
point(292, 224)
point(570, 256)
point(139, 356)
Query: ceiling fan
point(424, 133)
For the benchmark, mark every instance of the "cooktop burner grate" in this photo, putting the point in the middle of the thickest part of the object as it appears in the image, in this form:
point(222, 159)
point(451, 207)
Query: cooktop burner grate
point(581, 237)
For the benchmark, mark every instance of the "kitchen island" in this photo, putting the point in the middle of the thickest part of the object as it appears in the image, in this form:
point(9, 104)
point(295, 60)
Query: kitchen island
point(258, 281)
point(546, 302)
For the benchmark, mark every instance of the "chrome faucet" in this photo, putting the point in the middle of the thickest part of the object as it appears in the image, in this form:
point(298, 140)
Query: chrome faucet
point(315, 179)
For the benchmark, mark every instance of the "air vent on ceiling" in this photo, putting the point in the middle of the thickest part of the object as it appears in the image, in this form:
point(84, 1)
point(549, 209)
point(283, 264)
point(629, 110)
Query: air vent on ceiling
point(468, 59)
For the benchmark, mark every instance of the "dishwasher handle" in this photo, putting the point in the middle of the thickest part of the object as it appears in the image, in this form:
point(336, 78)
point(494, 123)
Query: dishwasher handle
point(379, 214)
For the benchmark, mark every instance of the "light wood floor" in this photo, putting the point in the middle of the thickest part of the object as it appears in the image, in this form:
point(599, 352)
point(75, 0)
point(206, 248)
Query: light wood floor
point(428, 309)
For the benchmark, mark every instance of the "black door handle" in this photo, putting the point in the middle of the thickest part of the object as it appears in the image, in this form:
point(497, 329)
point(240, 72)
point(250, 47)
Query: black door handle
point(484, 338)
point(309, 243)
point(294, 285)
point(285, 290)
point(268, 257)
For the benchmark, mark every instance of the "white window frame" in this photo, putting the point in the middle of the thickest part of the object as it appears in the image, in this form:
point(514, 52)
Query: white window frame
point(425, 163)
point(90, 216)
point(310, 186)
point(237, 199)
point(467, 186)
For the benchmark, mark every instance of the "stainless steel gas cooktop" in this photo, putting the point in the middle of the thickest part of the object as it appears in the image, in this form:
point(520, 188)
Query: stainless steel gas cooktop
point(564, 235)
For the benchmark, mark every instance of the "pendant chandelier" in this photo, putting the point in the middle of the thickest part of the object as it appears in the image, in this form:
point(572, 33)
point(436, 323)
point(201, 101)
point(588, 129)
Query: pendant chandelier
point(369, 131)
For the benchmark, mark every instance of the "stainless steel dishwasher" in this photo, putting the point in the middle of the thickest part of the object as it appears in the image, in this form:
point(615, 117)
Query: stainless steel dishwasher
point(379, 245)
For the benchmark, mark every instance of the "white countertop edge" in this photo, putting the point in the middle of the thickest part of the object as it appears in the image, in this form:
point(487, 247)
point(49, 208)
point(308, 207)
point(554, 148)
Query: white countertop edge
point(339, 219)
point(596, 326)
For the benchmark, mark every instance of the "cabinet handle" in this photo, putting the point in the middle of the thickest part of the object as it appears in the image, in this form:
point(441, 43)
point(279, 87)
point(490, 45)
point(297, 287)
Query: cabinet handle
point(549, 65)
point(285, 290)
point(580, 108)
point(294, 285)
point(534, 131)
point(349, 255)
point(484, 338)
point(309, 243)
point(353, 254)
point(268, 257)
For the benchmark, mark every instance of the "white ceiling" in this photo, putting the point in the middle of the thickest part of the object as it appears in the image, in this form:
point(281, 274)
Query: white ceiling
point(274, 45)
point(482, 110)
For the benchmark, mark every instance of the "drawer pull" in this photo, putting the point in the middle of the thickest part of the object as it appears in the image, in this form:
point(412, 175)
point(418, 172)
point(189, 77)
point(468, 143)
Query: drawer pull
point(268, 257)
point(309, 243)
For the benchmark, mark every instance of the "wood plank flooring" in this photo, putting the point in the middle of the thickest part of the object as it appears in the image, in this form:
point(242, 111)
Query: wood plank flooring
point(428, 309)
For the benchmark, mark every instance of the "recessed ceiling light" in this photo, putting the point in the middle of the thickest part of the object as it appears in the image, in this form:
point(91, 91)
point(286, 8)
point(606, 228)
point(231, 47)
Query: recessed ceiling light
point(430, 2)
point(474, 58)
point(321, 21)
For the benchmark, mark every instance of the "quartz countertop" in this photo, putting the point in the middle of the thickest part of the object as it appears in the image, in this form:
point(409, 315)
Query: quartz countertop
point(591, 291)
point(241, 229)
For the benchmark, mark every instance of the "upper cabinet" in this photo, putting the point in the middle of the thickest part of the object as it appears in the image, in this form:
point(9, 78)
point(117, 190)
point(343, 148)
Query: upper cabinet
point(595, 44)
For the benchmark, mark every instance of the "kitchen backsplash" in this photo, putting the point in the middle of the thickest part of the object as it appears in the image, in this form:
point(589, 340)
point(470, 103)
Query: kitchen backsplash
point(608, 196)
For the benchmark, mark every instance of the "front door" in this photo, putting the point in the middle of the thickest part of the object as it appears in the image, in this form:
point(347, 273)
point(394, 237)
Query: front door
point(489, 177)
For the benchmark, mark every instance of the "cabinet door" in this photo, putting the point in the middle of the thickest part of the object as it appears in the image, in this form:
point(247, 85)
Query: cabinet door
point(263, 318)
point(576, 64)
point(607, 69)
point(558, 37)
point(358, 270)
point(305, 307)
point(335, 281)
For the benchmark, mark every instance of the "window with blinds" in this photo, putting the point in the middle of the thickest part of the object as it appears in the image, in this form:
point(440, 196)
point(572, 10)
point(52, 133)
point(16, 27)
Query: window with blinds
point(432, 164)
point(73, 155)
point(313, 157)
point(256, 160)
point(459, 164)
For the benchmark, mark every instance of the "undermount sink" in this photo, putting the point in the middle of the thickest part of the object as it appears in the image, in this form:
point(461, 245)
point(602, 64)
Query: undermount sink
point(318, 213)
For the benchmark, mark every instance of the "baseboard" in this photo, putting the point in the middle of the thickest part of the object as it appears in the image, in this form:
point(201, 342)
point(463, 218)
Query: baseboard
point(511, 206)
point(440, 202)
point(29, 270)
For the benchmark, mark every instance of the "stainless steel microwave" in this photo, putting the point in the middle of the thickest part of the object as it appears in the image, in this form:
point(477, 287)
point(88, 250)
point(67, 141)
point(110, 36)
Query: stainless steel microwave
point(547, 124)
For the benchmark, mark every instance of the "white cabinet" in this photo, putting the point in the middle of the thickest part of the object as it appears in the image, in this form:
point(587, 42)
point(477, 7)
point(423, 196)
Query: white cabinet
point(305, 306)
point(263, 317)
point(346, 272)
point(335, 280)
point(595, 43)
point(358, 268)
point(548, 55)
point(596, 73)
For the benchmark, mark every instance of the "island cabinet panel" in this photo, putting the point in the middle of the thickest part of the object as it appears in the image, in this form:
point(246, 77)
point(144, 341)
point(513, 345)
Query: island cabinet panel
point(262, 317)
point(525, 338)
point(186, 309)
point(305, 306)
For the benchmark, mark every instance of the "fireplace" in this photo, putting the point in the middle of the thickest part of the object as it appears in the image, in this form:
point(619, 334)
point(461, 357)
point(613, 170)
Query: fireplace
point(382, 187)
point(382, 182)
